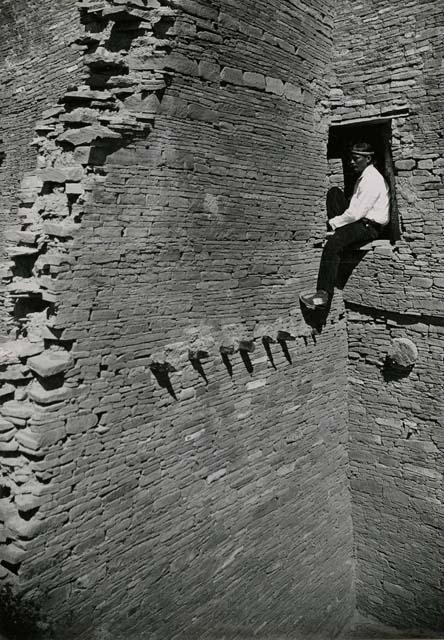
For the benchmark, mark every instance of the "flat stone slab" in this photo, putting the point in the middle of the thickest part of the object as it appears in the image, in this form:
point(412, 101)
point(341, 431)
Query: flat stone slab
point(47, 396)
point(16, 235)
point(60, 229)
point(16, 409)
point(86, 135)
point(15, 252)
point(49, 363)
point(52, 175)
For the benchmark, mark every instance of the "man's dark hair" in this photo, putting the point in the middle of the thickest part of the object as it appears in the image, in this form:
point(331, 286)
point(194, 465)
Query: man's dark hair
point(363, 147)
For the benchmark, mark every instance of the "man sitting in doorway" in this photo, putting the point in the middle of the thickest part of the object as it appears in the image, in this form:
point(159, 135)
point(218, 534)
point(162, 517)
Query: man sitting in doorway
point(361, 221)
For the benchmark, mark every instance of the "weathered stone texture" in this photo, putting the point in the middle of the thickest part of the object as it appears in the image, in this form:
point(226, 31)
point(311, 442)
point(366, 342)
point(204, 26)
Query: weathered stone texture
point(396, 471)
point(177, 425)
point(391, 65)
point(37, 64)
point(173, 438)
point(402, 80)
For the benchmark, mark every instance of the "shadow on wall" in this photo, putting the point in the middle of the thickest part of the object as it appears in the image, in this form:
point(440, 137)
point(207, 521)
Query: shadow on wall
point(393, 371)
point(368, 628)
point(21, 618)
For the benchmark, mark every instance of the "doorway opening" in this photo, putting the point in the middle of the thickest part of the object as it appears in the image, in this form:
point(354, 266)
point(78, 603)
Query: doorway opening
point(379, 134)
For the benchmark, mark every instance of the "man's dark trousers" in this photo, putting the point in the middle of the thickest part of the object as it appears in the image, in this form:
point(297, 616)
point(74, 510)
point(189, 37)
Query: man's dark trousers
point(360, 231)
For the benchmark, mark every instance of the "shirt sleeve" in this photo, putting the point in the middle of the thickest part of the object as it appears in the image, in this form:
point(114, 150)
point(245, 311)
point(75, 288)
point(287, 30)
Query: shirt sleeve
point(362, 202)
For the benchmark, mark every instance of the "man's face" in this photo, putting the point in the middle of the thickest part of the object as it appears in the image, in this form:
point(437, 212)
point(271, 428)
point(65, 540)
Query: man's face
point(358, 162)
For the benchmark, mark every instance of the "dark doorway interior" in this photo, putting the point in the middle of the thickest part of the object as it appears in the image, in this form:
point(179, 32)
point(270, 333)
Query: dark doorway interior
point(378, 133)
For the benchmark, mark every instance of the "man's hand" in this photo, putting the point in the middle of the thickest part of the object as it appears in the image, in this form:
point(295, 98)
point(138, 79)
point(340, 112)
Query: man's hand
point(329, 234)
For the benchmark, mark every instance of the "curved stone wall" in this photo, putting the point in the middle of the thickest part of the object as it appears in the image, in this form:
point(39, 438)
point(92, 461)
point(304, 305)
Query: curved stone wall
point(179, 433)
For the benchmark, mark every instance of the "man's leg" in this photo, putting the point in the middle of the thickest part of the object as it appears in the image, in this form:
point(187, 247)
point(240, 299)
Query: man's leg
point(332, 252)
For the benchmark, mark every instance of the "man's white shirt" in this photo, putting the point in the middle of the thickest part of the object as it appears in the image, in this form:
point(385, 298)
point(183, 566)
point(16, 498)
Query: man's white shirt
point(370, 200)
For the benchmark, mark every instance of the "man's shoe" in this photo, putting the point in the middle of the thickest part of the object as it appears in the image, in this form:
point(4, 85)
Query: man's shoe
point(314, 301)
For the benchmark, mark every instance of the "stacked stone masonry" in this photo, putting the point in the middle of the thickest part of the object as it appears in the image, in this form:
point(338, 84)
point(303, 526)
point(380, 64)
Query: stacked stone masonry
point(38, 60)
point(179, 452)
point(392, 67)
point(396, 470)
point(167, 414)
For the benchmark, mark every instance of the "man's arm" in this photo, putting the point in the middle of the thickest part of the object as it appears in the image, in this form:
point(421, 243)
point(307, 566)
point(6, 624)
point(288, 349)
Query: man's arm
point(361, 203)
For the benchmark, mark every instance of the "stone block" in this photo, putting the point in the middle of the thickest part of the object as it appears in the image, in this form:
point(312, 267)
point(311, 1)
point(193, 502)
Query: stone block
point(274, 85)
point(26, 529)
point(65, 229)
point(199, 112)
point(74, 189)
point(87, 94)
point(292, 92)
point(8, 446)
point(421, 282)
point(137, 104)
point(26, 348)
point(75, 172)
point(28, 439)
point(82, 154)
point(44, 396)
point(82, 115)
point(217, 475)
point(50, 363)
point(52, 112)
point(308, 98)
point(30, 187)
point(201, 10)
point(11, 553)
point(228, 349)
point(15, 409)
point(232, 76)
point(254, 80)
point(403, 352)
point(17, 251)
point(247, 345)
point(6, 390)
point(15, 372)
point(255, 384)
point(87, 135)
point(227, 21)
point(52, 175)
point(180, 63)
point(210, 36)
point(172, 106)
point(187, 394)
point(209, 71)
point(16, 235)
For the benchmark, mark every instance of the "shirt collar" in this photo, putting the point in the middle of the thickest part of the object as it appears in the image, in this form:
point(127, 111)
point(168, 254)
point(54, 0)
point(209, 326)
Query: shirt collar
point(366, 170)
